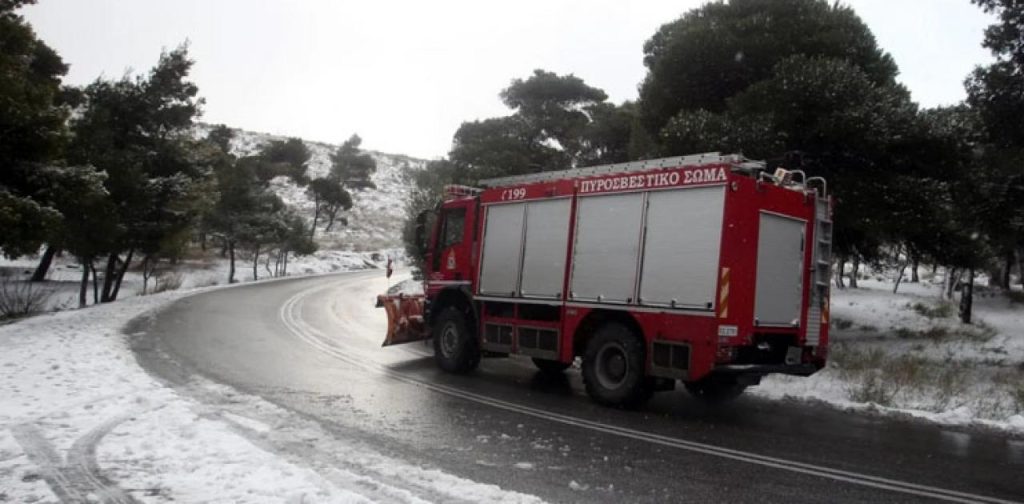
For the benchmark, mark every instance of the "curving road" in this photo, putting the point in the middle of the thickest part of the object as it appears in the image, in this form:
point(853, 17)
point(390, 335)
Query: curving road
point(312, 347)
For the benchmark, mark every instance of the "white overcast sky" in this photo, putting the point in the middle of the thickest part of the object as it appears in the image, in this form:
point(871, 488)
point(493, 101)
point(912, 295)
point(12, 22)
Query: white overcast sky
point(405, 74)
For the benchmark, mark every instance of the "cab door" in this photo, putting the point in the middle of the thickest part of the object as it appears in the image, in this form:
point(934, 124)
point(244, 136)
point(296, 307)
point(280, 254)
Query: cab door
point(451, 257)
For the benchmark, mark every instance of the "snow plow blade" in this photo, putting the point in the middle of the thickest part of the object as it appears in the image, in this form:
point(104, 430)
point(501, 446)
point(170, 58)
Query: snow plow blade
point(405, 318)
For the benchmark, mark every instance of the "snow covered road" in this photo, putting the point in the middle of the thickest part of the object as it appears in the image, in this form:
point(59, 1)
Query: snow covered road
point(279, 392)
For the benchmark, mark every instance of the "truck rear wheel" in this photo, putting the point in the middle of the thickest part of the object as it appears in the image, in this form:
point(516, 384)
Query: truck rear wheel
point(715, 389)
point(613, 367)
point(550, 366)
point(455, 347)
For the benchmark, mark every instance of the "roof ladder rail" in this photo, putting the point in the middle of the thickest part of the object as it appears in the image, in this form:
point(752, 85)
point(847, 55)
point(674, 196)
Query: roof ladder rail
point(633, 166)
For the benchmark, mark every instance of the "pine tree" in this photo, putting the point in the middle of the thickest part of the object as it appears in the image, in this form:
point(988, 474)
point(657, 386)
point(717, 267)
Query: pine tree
point(32, 130)
point(351, 166)
point(138, 131)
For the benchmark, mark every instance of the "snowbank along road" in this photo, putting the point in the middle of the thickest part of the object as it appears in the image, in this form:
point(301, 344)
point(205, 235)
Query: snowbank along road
point(307, 382)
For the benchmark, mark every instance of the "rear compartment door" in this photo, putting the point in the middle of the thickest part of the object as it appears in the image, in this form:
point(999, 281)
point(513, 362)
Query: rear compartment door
point(780, 260)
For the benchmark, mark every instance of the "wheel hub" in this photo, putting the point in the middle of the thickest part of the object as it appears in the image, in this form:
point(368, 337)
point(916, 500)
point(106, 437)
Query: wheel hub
point(449, 339)
point(612, 366)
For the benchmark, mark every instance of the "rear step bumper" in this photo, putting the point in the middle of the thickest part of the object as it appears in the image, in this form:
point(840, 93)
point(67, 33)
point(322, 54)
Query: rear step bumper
point(790, 369)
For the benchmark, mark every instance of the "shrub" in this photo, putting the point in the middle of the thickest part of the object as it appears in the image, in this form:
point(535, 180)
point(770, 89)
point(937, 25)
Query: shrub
point(842, 324)
point(1018, 399)
point(19, 298)
point(941, 310)
point(167, 282)
point(851, 360)
point(871, 388)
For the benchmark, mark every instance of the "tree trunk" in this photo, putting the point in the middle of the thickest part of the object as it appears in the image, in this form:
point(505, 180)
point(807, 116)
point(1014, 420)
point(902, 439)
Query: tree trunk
point(332, 215)
point(120, 274)
point(255, 262)
point(915, 263)
point(899, 277)
point(312, 229)
point(1007, 267)
point(267, 265)
point(284, 267)
point(145, 274)
point(108, 277)
point(952, 277)
point(44, 264)
point(1020, 267)
point(840, 271)
point(95, 284)
point(231, 269)
point(967, 297)
point(853, 272)
point(83, 288)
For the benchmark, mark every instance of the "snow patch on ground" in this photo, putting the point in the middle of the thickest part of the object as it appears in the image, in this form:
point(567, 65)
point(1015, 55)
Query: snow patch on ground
point(907, 354)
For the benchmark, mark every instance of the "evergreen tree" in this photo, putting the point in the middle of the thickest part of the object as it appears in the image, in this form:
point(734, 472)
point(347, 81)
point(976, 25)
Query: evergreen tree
point(288, 158)
point(329, 197)
point(138, 131)
point(351, 166)
point(554, 109)
point(996, 93)
point(718, 50)
point(801, 83)
point(32, 130)
point(558, 122)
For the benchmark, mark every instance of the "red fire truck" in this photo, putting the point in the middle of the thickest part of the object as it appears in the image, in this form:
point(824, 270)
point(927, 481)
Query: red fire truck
point(703, 269)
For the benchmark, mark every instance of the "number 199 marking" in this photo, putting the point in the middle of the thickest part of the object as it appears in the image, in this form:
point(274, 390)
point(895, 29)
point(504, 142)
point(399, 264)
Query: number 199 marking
point(513, 194)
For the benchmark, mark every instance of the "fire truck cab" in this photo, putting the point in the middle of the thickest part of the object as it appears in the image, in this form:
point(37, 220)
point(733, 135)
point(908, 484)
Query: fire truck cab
point(704, 269)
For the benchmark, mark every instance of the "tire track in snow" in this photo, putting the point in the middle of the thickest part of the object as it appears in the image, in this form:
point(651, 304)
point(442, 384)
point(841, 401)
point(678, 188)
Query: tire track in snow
point(41, 453)
point(81, 459)
point(77, 477)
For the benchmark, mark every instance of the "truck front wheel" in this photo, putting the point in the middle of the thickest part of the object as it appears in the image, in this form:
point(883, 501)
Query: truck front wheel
point(613, 367)
point(455, 347)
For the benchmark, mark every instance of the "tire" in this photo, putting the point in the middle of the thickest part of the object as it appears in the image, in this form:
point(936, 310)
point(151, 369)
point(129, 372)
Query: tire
point(550, 366)
point(715, 389)
point(455, 347)
point(613, 367)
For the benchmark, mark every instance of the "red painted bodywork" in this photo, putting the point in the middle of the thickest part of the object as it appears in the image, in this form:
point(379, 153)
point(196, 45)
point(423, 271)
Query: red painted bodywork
point(745, 199)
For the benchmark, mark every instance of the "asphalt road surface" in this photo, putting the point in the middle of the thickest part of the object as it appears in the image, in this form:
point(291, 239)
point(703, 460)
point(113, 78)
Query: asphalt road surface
point(312, 347)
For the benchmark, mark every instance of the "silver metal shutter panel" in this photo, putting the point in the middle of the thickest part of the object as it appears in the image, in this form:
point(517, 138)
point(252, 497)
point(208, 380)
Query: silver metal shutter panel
point(779, 270)
point(503, 235)
point(681, 250)
point(547, 239)
point(607, 246)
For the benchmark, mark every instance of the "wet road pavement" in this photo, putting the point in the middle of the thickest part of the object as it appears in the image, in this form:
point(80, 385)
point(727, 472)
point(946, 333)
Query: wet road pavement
point(312, 346)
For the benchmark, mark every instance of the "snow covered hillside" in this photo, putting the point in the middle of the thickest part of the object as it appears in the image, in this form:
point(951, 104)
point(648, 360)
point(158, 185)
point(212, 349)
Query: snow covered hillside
point(375, 220)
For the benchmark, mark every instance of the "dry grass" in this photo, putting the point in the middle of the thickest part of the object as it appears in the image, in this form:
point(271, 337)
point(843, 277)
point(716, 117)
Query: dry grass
point(886, 380)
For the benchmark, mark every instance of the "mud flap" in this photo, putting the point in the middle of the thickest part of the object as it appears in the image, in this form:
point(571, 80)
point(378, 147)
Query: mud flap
point(405, 319)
